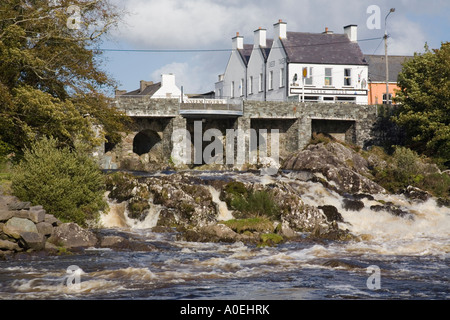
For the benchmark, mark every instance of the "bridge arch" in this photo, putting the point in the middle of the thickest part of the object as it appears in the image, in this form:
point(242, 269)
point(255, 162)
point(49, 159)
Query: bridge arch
point(144, 141)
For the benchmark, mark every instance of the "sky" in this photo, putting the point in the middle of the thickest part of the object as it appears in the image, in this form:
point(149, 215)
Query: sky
point(195, 35)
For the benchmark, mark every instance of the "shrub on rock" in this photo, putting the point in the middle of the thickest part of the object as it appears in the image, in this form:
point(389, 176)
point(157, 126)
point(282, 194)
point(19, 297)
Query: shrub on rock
point(67, 183)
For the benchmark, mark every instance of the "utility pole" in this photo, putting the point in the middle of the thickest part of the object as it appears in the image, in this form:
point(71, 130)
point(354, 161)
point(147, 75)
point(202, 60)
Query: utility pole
point(386, 54)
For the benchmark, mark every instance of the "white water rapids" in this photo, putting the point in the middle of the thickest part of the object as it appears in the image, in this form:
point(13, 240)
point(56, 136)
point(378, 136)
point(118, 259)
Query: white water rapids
point(412, 253)
point(427, 232)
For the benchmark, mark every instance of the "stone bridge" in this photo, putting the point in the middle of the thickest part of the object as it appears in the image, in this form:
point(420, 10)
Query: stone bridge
point(150, 143)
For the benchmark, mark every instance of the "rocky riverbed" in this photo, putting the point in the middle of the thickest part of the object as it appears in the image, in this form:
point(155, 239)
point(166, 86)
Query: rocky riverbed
point(218, 206)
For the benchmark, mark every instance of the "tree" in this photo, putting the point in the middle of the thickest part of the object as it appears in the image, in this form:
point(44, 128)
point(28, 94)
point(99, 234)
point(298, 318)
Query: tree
point(65, 181)
point(424, 99)
point(51, 83)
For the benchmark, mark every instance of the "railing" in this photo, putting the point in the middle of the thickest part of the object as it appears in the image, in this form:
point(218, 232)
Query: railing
point(211, 106)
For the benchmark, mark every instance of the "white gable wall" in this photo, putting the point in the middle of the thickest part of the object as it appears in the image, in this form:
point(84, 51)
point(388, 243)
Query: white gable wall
point(275, 62)
point(168, 88)
point(234, 72)
point(256, 67)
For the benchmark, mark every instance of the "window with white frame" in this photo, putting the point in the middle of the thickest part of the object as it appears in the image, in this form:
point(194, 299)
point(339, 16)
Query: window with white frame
point(347, 77)
point(270, 80)
point(309, 79)
point(250, 85)
point(241, 88)
point(328, 77)
point(232, 89)
point(390, 98)
point(282, 77)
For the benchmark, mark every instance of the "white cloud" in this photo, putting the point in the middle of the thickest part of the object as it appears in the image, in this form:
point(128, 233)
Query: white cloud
point(207, 24)
point(197, 75)
point(406, 37)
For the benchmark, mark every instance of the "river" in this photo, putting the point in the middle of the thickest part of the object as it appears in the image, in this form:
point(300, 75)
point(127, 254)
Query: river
point(398, 258)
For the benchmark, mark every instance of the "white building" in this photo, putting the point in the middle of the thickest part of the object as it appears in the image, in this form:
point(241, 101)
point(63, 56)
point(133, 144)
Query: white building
point(273, 69)
point(166, 89)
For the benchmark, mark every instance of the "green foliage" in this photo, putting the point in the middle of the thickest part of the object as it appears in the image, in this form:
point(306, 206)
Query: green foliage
point(120, 185)
point(257, 204)
point(321, 138)
point(50, 79)
point(424, 99)
point(405, 167)
point(270, 239)
point(67, 183)
point(261, 224)
point(236, 188)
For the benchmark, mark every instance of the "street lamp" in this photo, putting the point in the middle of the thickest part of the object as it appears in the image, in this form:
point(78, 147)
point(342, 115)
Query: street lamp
point(386, 54)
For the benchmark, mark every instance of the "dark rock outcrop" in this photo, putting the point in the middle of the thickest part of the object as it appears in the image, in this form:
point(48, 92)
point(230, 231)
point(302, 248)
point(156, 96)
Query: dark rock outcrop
point(71, 235)
point(347, 169)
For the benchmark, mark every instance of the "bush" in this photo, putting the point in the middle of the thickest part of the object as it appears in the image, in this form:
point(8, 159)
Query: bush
point(67, 183)
point(257, 204)
point(407, 166)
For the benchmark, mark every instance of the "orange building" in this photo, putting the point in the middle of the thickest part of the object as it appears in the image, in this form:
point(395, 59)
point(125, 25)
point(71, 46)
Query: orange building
point(377, 77)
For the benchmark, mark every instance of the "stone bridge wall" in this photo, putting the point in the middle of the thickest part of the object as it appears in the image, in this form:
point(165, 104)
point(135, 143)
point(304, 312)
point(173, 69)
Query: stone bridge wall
point(295, 121)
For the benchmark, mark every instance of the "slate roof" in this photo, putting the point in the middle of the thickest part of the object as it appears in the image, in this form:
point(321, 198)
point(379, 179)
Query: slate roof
point(148, 91)
point(246, 52)
point(322, 48)
point(266, 50)
point(377, 67)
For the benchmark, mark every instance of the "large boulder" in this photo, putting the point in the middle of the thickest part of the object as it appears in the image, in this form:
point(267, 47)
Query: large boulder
point(5, 215)
point(32, 240)
point(71, 235)
point(6, 245)
point(15, 226)
point(347, 169)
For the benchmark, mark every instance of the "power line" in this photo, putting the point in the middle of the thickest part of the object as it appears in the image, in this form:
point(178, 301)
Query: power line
point(220, 50)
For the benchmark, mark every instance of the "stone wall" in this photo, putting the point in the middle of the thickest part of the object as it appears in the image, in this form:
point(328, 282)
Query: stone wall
point(143, 106)
point(295, 121)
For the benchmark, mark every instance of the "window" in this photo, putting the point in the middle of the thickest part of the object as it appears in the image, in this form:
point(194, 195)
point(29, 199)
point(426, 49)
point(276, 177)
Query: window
point(309, 80)
point(390, 98)
point(328, 76)
point(232, 89)
point(282, 77)
point(347, 77)
point(241, 88)
point(270, 80)
point(250, 85)
point(261, 85)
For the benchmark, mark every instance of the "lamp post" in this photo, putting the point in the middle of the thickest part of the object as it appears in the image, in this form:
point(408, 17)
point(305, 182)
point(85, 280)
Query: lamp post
point(386, 54)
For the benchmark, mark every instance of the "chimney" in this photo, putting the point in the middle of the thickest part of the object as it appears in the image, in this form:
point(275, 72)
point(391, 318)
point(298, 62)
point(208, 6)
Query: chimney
point(145, 84)
point(120, 92)
point(260, 37)
point(352, 32)
point(237, 42)
point(327, 31)
point(280, 29)
point(168, 80)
